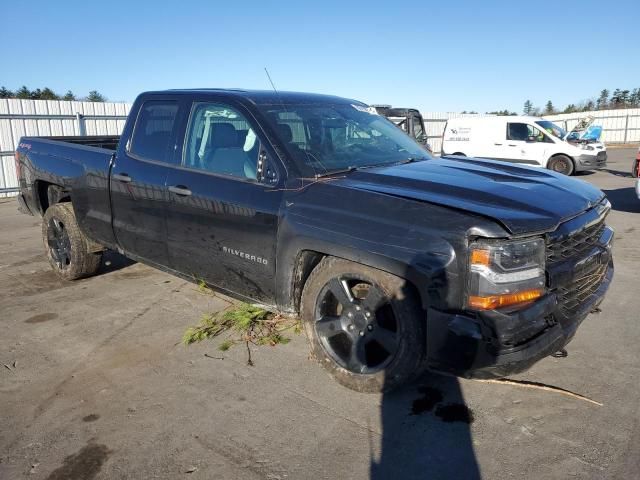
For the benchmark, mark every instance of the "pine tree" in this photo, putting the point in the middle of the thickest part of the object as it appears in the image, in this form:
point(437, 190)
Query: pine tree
point(615, 98)
point(48, 94)
point(528, 107)
point(624, 97)
point(549, 109)
point(69, 96)
point(4, 93)
point(23, 92)
point(603, 99)
point(94, 96)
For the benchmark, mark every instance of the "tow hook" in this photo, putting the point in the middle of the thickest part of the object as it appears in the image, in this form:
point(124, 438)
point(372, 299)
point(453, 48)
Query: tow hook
point(560, 354)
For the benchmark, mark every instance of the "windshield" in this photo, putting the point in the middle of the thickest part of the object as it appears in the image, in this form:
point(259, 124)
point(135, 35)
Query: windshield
point(552, 129)
point(326, 138)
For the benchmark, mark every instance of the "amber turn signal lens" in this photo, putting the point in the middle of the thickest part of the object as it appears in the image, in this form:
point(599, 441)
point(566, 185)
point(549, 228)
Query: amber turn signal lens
point(480, 257)
point(497, 301)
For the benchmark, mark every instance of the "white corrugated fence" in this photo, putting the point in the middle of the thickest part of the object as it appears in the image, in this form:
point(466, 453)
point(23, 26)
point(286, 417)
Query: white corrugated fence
point(51, 118)
point(54, 117)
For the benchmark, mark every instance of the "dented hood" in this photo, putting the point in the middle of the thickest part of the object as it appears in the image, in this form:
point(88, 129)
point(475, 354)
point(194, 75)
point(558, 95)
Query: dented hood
point(522, 199)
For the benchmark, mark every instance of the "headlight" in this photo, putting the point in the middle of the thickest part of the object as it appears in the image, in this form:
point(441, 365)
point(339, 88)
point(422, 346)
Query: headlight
point(505, 273)
point(584, 146)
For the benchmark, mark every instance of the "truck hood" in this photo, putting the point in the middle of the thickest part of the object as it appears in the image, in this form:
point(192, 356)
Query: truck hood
point(522, 199)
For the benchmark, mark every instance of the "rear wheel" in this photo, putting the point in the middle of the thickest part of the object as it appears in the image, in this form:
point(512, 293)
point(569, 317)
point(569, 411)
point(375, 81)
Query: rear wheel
point(68, 250)
point(365, 326)
point(561, 164)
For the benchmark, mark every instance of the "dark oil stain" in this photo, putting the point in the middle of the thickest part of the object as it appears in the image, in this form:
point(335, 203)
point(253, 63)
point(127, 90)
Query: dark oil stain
point(91, 418)
point(455, 412)
point(430, 397)
point(41, 317)
point(83, 465)
point(25, 285)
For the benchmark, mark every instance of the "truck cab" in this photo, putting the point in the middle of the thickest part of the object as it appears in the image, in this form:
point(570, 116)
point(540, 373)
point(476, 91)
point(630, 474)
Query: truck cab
point(318, 206)
point(408, 119)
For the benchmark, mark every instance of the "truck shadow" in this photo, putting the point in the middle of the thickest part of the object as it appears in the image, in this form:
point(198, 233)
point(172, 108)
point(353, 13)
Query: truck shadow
point(113, 261)
point(426, 432)
point(624, 199)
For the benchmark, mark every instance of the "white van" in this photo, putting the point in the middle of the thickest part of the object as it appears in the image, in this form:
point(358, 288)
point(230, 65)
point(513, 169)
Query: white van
point(525, 140)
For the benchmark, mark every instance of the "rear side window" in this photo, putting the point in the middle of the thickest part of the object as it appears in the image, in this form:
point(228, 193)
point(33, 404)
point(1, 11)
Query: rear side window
point(154, 130)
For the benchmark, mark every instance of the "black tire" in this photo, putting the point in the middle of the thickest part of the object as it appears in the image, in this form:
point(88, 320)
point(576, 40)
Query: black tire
point(70, 253)
point(354, 316)
point(635, 166)
point(561, 164)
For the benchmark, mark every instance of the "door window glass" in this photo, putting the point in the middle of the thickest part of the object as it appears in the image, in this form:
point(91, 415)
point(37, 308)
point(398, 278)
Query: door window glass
point(220, 140)
point(525, 132)
point(153, 131)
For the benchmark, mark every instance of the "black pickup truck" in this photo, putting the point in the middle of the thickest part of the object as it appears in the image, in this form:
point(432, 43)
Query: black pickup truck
point(311, 204)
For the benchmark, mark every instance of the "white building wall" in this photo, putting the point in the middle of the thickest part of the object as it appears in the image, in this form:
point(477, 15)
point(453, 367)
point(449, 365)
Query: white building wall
point(52, 118)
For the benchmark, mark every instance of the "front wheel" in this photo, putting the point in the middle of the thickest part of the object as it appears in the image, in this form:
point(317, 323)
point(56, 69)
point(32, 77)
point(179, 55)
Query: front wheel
point(561, 164)
point(365, 326)
point(68, 250)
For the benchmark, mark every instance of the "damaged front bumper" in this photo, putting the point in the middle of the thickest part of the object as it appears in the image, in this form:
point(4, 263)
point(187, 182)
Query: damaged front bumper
point(496, 344)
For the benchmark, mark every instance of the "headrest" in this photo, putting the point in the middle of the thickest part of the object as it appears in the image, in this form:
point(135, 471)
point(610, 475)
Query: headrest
point(223, 135)
point(285, 133)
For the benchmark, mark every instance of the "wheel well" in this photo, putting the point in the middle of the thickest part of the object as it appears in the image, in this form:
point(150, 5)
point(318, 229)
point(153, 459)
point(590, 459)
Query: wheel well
point(50, 194)
point(305, 263)
point(308, 260)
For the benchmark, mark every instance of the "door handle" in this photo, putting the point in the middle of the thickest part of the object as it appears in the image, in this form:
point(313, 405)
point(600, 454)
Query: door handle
point(180, 190)
point(512, 145)
point(498, 144)
point(122, 177)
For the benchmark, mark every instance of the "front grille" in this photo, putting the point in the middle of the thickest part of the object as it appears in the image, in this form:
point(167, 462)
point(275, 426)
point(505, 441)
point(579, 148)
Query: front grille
point(573, 295)
point(602, 156)
point(575, 245)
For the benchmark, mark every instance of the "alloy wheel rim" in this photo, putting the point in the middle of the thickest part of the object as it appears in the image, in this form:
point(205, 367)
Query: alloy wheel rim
point(59, 243)
point(356, 325)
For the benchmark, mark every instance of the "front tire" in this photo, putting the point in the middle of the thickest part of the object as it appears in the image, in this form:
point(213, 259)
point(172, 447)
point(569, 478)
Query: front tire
point(561, 164)
point(365, 326)
point(68, 250)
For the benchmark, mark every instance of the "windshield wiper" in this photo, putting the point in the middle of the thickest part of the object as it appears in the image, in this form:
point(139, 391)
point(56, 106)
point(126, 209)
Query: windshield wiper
point(336, 171)
point(375, 165)
point(389, 164)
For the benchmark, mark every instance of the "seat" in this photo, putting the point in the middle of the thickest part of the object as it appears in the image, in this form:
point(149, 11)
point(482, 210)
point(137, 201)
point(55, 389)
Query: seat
point(225, 156)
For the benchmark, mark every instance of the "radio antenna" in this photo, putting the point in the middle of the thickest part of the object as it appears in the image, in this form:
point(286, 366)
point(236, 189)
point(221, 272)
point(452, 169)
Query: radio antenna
point(285, 109)
point(271, 81)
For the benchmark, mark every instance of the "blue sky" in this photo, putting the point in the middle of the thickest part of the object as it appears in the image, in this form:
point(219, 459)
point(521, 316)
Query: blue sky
point(437, 56)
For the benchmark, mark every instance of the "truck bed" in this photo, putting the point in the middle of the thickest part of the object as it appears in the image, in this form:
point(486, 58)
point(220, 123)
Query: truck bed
point(109, 142)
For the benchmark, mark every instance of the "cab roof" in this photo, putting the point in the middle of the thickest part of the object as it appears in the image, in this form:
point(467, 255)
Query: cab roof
point(261, 97)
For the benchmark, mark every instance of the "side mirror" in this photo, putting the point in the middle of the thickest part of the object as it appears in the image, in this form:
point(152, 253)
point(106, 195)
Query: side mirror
point(266, 171)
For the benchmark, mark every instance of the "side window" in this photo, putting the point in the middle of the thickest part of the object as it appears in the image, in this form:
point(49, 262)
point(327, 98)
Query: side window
point(153, 131)
point(517, 131)
point(220, 140)
point(536, 135)
point(526, 133)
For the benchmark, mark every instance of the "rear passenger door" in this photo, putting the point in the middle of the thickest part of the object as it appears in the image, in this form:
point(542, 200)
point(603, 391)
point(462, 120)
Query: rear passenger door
point(223, 211)
point(139, 195)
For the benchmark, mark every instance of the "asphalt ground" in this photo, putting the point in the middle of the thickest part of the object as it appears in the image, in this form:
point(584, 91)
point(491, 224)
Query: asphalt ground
point(94, 383)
